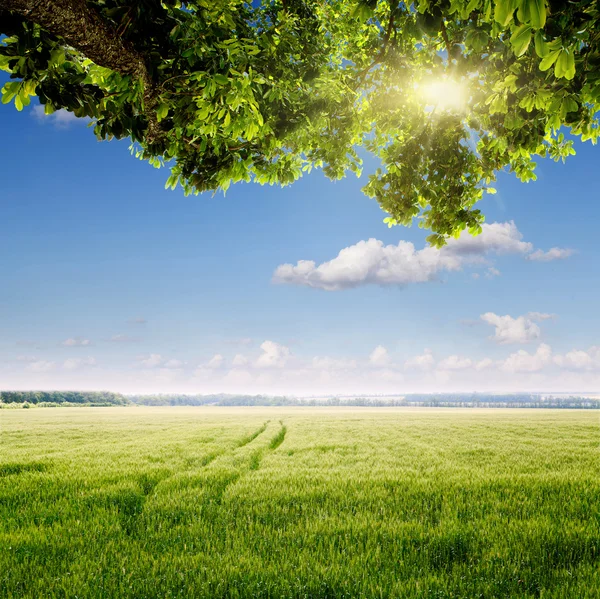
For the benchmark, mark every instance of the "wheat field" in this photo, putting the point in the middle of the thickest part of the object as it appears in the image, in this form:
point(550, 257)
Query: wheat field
point(156, 503)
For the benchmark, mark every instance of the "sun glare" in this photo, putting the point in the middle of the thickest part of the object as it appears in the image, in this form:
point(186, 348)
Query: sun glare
point(444, 94)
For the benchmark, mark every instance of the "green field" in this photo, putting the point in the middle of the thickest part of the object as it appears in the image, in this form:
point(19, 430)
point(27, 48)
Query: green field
point(299, 503)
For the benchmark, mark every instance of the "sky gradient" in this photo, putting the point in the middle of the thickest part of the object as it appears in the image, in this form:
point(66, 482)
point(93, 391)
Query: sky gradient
point(111, 282)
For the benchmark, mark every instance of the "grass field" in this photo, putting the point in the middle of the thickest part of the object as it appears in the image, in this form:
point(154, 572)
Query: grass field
point(299, 503)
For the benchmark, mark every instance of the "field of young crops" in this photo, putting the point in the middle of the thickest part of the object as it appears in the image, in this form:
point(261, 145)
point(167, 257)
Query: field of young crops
point(143, 503)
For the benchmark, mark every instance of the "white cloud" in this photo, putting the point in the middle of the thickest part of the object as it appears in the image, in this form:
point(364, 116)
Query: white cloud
point(327, 363)
point(492, 272)
point(522, 329)
point(495, 238)
point(483, 364)
point(61, 118)
point(379, 357)
point(580, 359)
point(173, 364)
point(41, 366)
point(455, 363)
point(372, 262)
point(540, 316)
point(551, 254)
point(121, 338)
point(523, 361)
point(424, 361)
point(152, 361)
point(274, 355)
point(76, 342)
point(76, 363)
point(25, 358)
point(238, 376)
point(239, 360)
point(215, 362)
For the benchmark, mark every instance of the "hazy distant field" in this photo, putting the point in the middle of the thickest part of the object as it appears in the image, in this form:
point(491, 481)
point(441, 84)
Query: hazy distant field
point(299, 503)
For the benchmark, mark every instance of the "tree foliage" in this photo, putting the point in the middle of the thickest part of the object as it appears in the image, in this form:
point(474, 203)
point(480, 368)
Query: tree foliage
point(226, 91)
point(97, 398)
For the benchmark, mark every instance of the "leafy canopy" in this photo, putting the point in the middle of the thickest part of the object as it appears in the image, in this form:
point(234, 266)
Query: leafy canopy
point(266, 91)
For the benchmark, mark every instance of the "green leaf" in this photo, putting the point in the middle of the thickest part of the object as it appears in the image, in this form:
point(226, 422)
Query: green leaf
point(504, 10)
point(9, 91)
point(162, 111)
point(19, 102)
point(537, 13)
point(565, 64)
point(477, 39)
point(523, 13)
point(520, 39)
point(549, 60)
point(221, 79)
point(541, 48)
point(4, 64)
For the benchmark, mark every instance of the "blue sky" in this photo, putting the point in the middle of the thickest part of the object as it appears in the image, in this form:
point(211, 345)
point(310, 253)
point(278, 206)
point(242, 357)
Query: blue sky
point(111, 282)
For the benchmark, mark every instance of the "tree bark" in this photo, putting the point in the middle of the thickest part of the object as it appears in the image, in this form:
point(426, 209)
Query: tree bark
point(82, 28)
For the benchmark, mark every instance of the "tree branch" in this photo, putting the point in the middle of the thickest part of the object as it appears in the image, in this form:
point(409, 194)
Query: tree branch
point(381, 55)
point(81, 27)
point(445, 38)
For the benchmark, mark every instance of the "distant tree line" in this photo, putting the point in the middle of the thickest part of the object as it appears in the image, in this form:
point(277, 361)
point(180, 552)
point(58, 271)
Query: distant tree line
point(57, 398)
point(510, 400)
point(220, 399)
point(444, 400)
point(414, 400)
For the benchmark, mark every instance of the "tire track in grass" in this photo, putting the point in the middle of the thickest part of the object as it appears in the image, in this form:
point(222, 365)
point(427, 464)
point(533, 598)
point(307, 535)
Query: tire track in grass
point(249, 438)
point(279, 438)
point(276, 441)
point(211, 457)
point(130, 505)
point(215, 497)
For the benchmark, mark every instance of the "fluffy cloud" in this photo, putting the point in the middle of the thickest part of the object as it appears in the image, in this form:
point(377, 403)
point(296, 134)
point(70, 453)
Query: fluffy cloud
point(61, 118)
point(523, 361)
point(540, 316)
point(215, 362)
point(239, 360)
point(379, 357)
point(551, 254)
point(372, 262)
point(424, 361)
point(173, 364)
point(274, 355)
point(26, 358)
point(155, 361)
point(121, 338)
point(77, 363)
point(495, 238)
point(522, 329)
point(152, 361)
point(483, 364)
point(580, 359)
point(455, 363)
point(76, 342)
point(41, 366)
point(327, 363)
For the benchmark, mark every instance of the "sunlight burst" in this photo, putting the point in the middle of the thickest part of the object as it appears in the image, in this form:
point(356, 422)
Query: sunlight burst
point(444, 94)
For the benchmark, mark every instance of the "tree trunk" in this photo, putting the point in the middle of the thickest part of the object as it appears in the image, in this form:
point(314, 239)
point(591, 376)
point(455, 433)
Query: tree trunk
point(81, 27)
